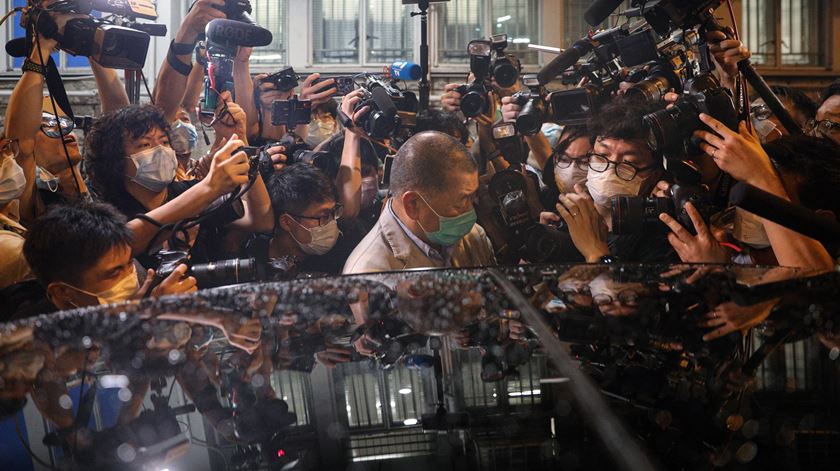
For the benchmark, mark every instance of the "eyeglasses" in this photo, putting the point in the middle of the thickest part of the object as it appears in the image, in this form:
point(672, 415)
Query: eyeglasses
point(623, 170)
point(760, 112)
point(564, 160)
point(626, 297)
point(824, 127)
point(333, 215)
point(56, 127)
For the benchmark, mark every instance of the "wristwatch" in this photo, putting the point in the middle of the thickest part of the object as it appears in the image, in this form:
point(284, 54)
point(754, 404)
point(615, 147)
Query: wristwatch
point(30, 66)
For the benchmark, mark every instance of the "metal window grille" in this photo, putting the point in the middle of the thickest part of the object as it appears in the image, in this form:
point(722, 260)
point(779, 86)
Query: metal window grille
point(271, 14)
point(295, 388)
point(335, 31)
point(785, 32)
point(389, 31)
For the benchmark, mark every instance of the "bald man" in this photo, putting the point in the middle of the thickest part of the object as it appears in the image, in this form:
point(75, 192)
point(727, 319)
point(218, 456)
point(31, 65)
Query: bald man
point(429, 222)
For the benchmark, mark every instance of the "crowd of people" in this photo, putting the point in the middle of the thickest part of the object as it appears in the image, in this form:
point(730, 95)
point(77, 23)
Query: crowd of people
point(81, 228)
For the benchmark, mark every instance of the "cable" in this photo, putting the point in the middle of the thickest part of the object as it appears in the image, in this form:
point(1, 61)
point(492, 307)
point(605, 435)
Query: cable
point(26, 446)
point(55, 113)
point(146, 84)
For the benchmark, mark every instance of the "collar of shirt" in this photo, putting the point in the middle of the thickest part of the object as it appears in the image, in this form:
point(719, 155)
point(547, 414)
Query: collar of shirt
point(428, 250)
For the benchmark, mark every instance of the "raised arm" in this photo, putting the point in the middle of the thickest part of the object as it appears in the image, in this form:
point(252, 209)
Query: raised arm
point(112, 93)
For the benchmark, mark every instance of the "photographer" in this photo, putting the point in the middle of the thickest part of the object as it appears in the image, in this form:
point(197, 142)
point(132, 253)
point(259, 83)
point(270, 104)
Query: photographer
point(827, 122)
point(621, 163)
point(132, 166)
point(81, 256)
point(541, 143)
point(568, 165)
point(768, 127)
point(430, 220)
point(45, 138)
point(805, 167)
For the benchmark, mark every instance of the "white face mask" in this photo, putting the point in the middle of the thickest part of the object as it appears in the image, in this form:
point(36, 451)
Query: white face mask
point(567, 178)
point(604, 185)
point(124, 289)
point(12, 181)
point(322, 238)
point(749, 229)
point(319, 131)
point(156, 168)
point(184, 137)
point(45, 180)
point(370, 188)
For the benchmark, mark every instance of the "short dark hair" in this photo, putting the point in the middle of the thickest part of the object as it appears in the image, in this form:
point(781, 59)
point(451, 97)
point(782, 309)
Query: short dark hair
point(800, 101)
point(621, 118)
point(830, 91)
point(815, 161)
point(443, 121)
point(335, 146)
point(104, 144)
point(70, 239)
point(297, 187)
point(426, 160)
point(570, 134)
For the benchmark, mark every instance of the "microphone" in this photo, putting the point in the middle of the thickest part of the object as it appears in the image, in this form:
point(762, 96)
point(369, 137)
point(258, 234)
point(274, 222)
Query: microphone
point(600, 10)
point(237, 33)
point(383, 101)
point(563, 61)
point(16, 47)
point(785, 213)
point(405, 70)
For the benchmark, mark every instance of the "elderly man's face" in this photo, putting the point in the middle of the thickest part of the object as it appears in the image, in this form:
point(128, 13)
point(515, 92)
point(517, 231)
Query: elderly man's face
point(456, 199)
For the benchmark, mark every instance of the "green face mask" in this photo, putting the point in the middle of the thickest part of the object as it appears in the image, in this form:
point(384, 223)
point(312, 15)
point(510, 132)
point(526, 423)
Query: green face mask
point(450, 229)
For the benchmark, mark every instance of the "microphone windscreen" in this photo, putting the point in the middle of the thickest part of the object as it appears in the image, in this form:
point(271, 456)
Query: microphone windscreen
point(16, 47)
point(405, 70)
point(600, 10)
point(563, 61)
point(237, 33)
point(383, 101)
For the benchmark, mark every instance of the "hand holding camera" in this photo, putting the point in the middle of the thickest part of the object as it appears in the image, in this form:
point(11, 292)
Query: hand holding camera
point(175, 283)
point(704, 247)
point(231, 118)
point(201, 13)
point(348, 105)
point(229, 168)
point(727, 53)
point(318, 92)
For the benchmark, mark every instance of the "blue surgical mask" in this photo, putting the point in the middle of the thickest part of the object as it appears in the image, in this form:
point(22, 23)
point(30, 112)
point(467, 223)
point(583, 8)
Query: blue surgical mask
point(184, 137)
point(450, 229)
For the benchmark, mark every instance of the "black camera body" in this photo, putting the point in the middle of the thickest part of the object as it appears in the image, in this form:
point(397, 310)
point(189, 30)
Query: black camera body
point(474, 98)
point(291, 113)
point(285, 80)
point(534, 108)
point(640, 215)
point(105, 42)
point(488, 61)
point(670, 130)
point(383, 119)
point(237, 10)
point(659, 79)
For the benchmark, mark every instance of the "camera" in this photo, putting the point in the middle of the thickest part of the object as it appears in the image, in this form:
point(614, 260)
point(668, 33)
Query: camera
point(343, 84)
point(534, 111)
point(638, 214)
point(488, 61)
point(473, 98)
point(118, 43)
point(660, 79)
point(237, 10)
point(385, 101)
point(510, 143)
point(575, 107)
point(291, 113)
point(226, 272)
point(224, 37)
point(670, 130)
point(284, 80)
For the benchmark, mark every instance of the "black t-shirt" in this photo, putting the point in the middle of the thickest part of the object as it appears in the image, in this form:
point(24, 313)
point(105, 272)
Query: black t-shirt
point(24, 299)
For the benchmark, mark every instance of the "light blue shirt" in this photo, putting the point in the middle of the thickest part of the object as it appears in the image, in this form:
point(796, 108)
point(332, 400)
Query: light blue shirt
point(428, 250)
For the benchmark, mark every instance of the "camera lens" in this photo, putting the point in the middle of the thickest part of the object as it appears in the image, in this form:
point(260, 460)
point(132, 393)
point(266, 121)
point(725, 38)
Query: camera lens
point(505, 73)
point(664, 129)
point(473, 104)
point(530, 120)
point(637, 214)
point(225, 272)
point(650, 89)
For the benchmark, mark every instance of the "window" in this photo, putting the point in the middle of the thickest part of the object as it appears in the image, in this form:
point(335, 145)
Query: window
point(461, 21)
point(271, 14)
point(376, 398)
point(785, 32)
point(574, 26)
point(341, 34)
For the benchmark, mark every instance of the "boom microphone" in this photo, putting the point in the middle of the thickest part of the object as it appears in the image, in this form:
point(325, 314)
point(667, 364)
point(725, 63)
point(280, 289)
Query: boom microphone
point(785, 213)
point(237, 33)
point(600, 10)
point(563, 61)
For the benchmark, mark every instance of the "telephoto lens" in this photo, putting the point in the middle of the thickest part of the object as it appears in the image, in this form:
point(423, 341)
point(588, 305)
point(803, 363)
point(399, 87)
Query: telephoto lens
point(473, 99)
point(638, 215)
point(225, 272)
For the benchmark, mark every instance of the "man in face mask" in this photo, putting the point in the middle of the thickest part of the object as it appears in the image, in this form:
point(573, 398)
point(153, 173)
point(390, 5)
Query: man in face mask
point(81, 256)
point(430, 220)
point(304, 201)
point(13, 266)
point(183, 137)
point(827, 121)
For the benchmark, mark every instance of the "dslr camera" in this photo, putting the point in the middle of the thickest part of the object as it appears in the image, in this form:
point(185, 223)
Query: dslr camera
point(284, 80)
point(488, 61)
point(117, 43)
point(640, 215)
point(386, 101)
point(534, 109)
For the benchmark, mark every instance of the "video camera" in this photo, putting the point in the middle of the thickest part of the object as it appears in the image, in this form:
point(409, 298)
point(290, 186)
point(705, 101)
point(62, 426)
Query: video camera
point(386, 101)
point(534, 109)
point(488, 61)
point(118, 42)
point(224, 37)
